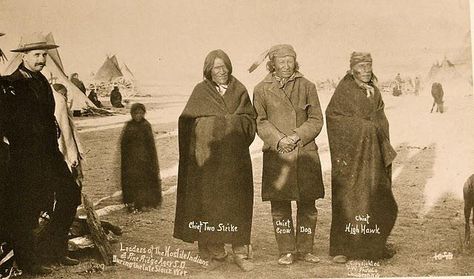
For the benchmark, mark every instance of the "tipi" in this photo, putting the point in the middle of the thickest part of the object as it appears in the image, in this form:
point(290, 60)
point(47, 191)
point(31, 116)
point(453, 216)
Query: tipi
point(444, 71)
point(109, 71)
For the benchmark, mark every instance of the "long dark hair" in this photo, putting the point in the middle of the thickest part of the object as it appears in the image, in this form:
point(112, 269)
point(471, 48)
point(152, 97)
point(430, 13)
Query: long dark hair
point(209, 62)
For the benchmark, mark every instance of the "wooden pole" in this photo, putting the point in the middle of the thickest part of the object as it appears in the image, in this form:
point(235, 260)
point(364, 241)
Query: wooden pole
point(98, 235)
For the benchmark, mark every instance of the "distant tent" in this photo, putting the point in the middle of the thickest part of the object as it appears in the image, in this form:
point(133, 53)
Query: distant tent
point(54, 71)
point(113, 70)
point(454, 79)
point(127, 74)
point(115, 61)
point(444, 71)
point(455, 74)
point(109, 71)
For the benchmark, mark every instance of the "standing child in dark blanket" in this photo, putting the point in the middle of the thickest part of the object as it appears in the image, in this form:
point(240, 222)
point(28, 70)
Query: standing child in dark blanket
point(141, 183)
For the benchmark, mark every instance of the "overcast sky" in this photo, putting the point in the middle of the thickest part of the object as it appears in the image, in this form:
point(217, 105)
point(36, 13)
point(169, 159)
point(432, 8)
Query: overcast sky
point(166, 41)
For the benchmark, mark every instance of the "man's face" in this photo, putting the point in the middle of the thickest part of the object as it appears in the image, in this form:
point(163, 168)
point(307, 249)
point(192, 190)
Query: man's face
point(284, 66)
point(362, 71)
point(35, 60)
point(138, 115)
point(219, 72)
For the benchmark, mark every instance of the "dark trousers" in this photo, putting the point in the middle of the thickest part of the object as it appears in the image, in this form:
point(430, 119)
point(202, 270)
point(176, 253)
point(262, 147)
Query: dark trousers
point(306, 217)
point(54, 245)
point(30, 194)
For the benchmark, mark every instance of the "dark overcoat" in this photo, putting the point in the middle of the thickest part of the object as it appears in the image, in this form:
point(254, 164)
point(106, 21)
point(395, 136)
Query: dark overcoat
point(5, 89)
point(361, 157)
point(141, 183)
point(37, 167)
point(281, 112)
point(215, 183)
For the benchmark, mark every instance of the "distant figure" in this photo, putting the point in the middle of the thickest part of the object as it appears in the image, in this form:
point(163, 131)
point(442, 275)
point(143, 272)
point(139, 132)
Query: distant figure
point(141, 183)
point(116, 98)
point(94, 98)
point(397, 89)
point(78, 83)
point(437, 93)
point(417, 86)
point(398, 78)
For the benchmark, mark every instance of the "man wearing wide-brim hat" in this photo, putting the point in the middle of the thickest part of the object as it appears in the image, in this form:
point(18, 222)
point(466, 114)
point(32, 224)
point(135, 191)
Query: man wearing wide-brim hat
point(37, 168)
point(289, 119)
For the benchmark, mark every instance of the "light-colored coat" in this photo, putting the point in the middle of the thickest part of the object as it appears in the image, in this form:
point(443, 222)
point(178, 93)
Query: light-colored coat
point(295, 175)
point(69, 143)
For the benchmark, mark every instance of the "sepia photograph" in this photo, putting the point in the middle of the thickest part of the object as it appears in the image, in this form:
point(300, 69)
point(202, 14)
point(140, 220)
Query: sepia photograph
point(236, 139)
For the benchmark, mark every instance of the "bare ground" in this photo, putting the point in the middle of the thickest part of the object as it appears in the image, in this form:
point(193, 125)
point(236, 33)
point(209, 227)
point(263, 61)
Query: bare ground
point(417, 239)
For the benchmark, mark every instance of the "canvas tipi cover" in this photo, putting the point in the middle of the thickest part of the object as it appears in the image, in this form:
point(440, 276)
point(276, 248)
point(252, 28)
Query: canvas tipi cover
point(454, 83)
point(109, 70)
point(445, 71)
point(127, 74)
point(54, 71)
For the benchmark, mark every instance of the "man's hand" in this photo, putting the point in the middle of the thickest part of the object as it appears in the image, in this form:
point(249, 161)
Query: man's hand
point(294, 138)
point(286, 145)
